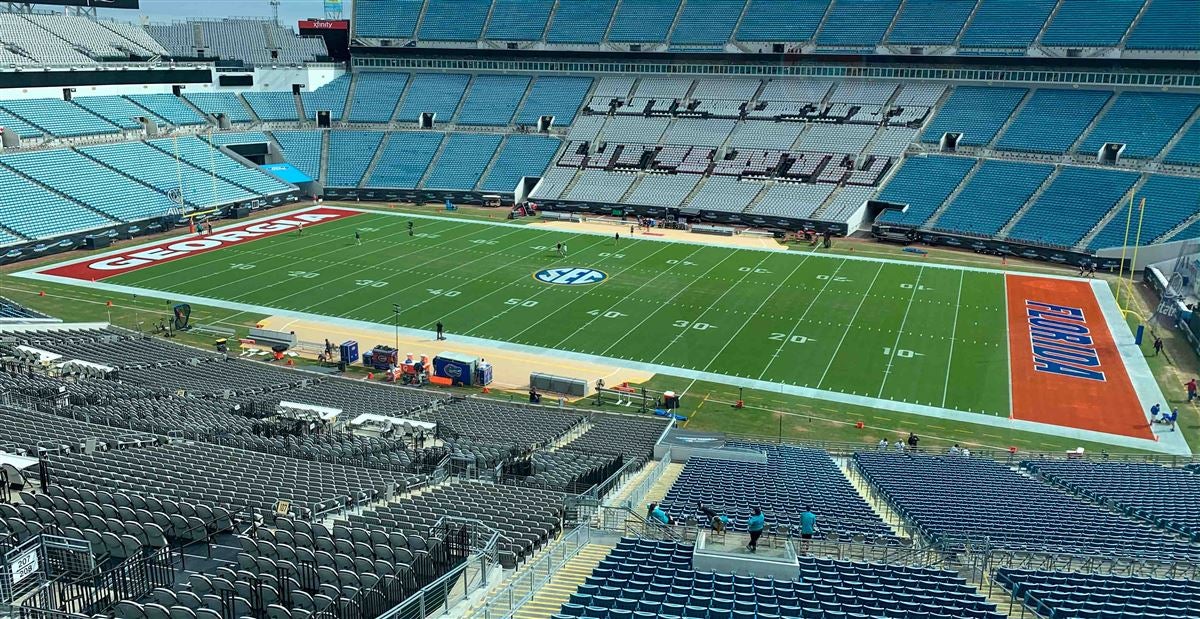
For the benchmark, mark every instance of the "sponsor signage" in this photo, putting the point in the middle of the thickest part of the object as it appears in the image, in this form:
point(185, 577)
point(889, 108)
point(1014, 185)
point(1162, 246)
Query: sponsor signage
point(100, 4)
point(324, 24)
point(570, 276)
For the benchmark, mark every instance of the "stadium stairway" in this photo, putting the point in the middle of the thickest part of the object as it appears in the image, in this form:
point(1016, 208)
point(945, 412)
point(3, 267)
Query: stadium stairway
point(990, 146)
point(299, 106)
point(1092, 126)
point(549, 600)
point(1037, 40)
point(887, 515)
point(1137, 19)
point(1113, 212)
point(255, 120)
point(962, 32)
point(487, 170)
point(378, 156)
point(324, 157)
point(433, 161)
point(660, 488)
point(1007, 227)
point(1187, 125)
point(350, 99)
point(931, 221)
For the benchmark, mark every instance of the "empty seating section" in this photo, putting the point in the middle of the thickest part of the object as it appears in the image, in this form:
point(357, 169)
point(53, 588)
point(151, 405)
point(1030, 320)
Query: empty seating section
point(493, 99)
point(663, 87)
point(652, 578)
point(454, 20)
point(614, 86)
point(35, 213)
point(25, 40)
point(856, 24)
point(767, 135)
point(386, 19)
point(170, 108)
point(376, 95)
point(1166, 496)
point(987, 492)
point(272, 105)
point(238, 137)
point(405, 159)
point(38, 433)
point(862, 92)
point(12, 309)
point(462, 161)
point(350, 152)
point(557, 96)
point(845, 202)
point(781, 21)
point(22, 128)
point(725, 193)
point(330, 97)
point(302, 149)
point(164, 172)
point(974, 111)
point(1052, 120)
point(518, 20)
point(995, 193)
point(179, 39)
point(923, 183)
point(792, 480)
point(1174, 202)
point(707, 22)
point(586, 128)
point(1073, 595)
point(663, 190)
point(581, 21)
point(58, 118)
point(698, 131)
point(629, 129)
point(893, 141)
point(1167, 25)
point(600, 186)
point(1074, 202)
point(643, 21)
point(251, 41)
point(211, 159)
point(849, 139)
point(91, 37)
point(1187, 150)
point(1007, 23)
point(226, 103)
point(437, 93)
point(521, 155)
point(791, 200)
point(1091, 23)
point(553, 182)
point(117, 110)
point(1143, 121)
point(930, 22)
point(97, 186)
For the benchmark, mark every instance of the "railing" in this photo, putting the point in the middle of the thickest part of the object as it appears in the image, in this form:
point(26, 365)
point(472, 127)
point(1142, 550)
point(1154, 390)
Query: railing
point(639, 492)
point(458, 584)
point(526, 584)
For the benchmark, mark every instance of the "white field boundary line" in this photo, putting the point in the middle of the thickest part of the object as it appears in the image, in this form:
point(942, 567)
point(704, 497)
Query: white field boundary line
point(1008, 348)
point(737, 247)
point(684, 331)
point(758, 309)
point(800, 321)
point(233, 249)
point(421, 282)
point(900, 332)
point(954, 334)
point(681, 290)
point(849, 325)
point(588, 290)
point(504, 287)
point(385, 332)
point(1140, 375)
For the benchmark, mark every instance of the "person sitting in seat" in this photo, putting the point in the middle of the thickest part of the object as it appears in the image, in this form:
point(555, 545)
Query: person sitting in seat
point(713, 518)
point(657, 514)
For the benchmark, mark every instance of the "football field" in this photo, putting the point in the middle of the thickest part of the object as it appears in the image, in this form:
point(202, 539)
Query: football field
point(919, 336)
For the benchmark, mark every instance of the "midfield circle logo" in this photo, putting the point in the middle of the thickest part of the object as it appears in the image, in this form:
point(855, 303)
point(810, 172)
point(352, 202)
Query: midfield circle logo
point(570, 276)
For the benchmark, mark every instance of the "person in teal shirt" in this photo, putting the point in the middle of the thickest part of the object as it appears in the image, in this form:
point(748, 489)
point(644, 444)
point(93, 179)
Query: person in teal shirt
point(657, 513)
point(755, 526)
point(808, 526)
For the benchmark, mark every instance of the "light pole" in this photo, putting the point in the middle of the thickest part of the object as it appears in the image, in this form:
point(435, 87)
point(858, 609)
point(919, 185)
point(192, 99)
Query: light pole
point(396, 321)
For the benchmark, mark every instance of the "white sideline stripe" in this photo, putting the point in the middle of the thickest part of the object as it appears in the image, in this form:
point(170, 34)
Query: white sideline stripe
point(887, 371)
point(1140, 374)
point(1008, 347)
point(850, 325)
point(1175, 447)
point(954, 334)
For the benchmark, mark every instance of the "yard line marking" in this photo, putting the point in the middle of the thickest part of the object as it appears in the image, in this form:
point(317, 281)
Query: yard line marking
point(811, 304)
point(758, 309)
point(892, 359)
point(1008, 349)
point(850, 324)
point(953, 334)
point(668, 301)
point(683, 332)
point(624, 298)
point(593, 288)
point(513, 283)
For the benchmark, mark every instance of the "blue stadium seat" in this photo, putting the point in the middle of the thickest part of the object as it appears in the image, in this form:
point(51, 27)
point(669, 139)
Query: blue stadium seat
point(1167, 25)
point(405, 159)
point(58, 118)
point(977, 112)
point(1071, 205)
point(518, 20)
point(272, 105)
point(163, 171)
point(225, 103)
point(931, 22)
point(301, 149)
point(439, 93)
point(37, 213)
point(331, 96)
point(212, 160)
point(995, 193)
point(923, 183)
point(554, 95)
point(386, 19)
point(857, 24)
point(117, 110)
point(1187, 149)
point(170, 108)
point(581, 21)
point(22, 128)
point(376, 95)
point(643, 21)
point(1170, 201)
point(1091, 23)
point(707, 22)
point(350, 152)
point(782, 21)
point(521, 155)
point(454, 20)
point(1143, 121)
point(1007, 23)
point(462, 161)
point(1053, 120)
point(493, 99)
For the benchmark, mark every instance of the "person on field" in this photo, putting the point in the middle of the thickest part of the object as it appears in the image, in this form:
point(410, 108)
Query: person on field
point(441, 331)
point(755, 526)
point(1191, 389)
point(410, 228)
point(616, 237)
point(1158, 345)
point(1154, 410)
point(558, 250)
point(357, 237)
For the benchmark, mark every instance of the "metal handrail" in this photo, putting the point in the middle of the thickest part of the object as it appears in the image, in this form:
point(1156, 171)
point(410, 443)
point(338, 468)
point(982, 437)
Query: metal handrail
point(506, 602)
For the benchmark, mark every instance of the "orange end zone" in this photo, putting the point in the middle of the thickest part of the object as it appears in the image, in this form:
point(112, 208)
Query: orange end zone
point(1066, 369)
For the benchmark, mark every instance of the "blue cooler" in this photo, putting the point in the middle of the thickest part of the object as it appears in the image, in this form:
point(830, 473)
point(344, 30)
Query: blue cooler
point(348, 351)
point(456, 367)
point(483, 374)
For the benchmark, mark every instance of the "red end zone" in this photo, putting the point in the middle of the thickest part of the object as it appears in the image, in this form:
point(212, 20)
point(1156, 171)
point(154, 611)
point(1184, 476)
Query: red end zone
point(108, 265)
point(1066, 369)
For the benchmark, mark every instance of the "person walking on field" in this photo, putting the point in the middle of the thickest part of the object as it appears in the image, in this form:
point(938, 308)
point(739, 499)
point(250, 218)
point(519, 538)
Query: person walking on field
point(357, 237)
point(755, 526)
point(441, 331)
point(1158, 345)
point(1191, 389)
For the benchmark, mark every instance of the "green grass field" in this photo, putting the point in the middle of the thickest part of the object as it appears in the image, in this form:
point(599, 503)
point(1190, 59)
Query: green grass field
point(929, 335)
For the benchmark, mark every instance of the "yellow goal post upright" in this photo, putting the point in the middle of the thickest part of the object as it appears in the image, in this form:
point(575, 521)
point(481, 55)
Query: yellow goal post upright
point(1125, 286)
